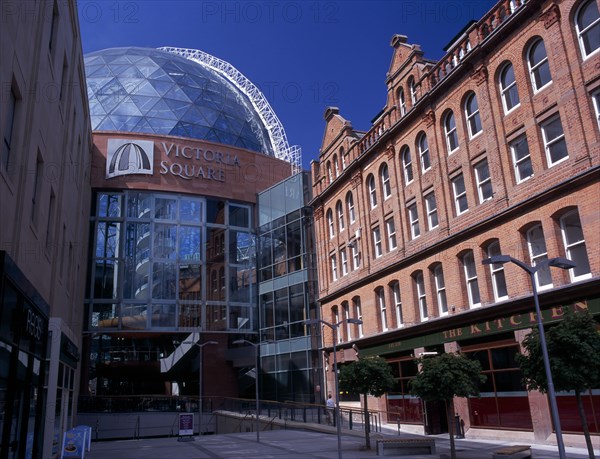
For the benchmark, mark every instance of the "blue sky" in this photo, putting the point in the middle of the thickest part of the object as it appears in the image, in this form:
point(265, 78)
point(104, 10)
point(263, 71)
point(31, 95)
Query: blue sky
point(305, 55)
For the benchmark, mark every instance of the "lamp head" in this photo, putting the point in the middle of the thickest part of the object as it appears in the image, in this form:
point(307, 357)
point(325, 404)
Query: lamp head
point(560, 262)
point(497, 259)
point(355, 321)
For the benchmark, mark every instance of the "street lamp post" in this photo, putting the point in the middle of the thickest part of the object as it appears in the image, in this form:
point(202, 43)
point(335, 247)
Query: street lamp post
point(200, 359)
point(336, 416)
point(532, 270)
point(256, 347)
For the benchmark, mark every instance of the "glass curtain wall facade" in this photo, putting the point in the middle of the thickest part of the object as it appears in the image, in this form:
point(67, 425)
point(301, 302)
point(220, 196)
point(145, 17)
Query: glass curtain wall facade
point(291, 368)
point(164, 265)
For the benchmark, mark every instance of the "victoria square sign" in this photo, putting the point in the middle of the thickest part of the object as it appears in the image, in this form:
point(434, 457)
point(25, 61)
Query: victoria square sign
point(130, 157)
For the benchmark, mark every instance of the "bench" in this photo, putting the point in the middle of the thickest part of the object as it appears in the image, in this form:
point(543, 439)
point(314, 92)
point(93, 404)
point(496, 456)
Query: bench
point(513, 452)
point(405, 446)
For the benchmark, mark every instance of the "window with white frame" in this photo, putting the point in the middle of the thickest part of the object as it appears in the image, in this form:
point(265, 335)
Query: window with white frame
point(340, 215)
point(382, 309)
point(423, 147)
point(350, 206)
point(391, 234)
point(450, 132)
point(587, 24)
point(377, 242)
point(336, 320)
point(575, 249)
point(440, 289)
point(421, 296)
point(413, 92)
point(484, 181)
point(460, 194)
point(539, 68)
point(471, 279)
point(385, 182)
point(329, 172)
point(407, 165)
point(431, 207)
point(413, 218)
point(554, 141)
point(344, 259)
point(497, 273)
point(395, 290)
point(372, 191)
point(521, 157)
point(334, 271)
point(596, 101)
point(330, 223)
point(536, 244)
point(343, 158)
point(355, 256)
point(401, 102)
point(472, 115)
point(358, 315)
point(346, 312)
point(336, 166)
point(508, 88)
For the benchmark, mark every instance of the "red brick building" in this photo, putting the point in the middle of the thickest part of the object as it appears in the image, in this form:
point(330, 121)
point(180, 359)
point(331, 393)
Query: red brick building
point(493, 149)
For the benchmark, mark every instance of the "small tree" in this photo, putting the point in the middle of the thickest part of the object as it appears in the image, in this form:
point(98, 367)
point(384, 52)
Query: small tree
point(367, 376)
point(445, 377)
point(574, 350)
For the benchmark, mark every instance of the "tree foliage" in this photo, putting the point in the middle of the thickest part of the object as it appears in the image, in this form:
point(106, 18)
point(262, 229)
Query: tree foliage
point(574, 353)
point(370, 375)
point(447, 376)
point(574, 350)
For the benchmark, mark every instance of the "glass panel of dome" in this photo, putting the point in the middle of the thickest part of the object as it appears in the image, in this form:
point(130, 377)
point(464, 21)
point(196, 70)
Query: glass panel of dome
point(129, 71)
point(134, 316)
point(162, 125)
point(177, 107)
point(165, 241)
point(208, 114)
point(180, 130)
point(99, 71)
point(162, 110)
point(190, 210)
point(213, 136)
point(162, 87)
point(126, 123)
point(164, 278)
point(227, 138)
point(144, 88)
point(189, 243)
point(93, 60)
point(239, 318)
point(123, 59)
point(165, 209)
point(163, 315)
point(126, 107)
point(190, 282)
point(144, 103)
point(102, 123)
point(192, 93)
point(97, 109)
point(198, 132)
point(147, 68)
point(176, 93)
point(144, 126)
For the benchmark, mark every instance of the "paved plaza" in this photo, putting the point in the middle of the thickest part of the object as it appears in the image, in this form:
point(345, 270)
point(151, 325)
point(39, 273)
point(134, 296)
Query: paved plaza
point(294, 444)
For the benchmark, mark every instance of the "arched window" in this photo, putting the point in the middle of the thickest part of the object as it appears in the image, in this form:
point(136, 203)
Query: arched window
point(508, 88)
point(330, 223)
point(329, 173)
point(372, 191)
point(472, 115)
point(536, 244)
point(350, 207)
point(450, 132)
point(358, 314)
point(336, 166)
point(472, 284)
point(340, 215)
point(440, 289)
point(497, 273)
point(574, 242)
point(385, 181)
point(401, 102)
point(335, 317)
point(346, 312)
point(587, 24)
point(343, 158)
point(397, 301)
point(407, 165)
point(380, 294)
point(413, 91)
point(423, 148)
point(539, 68)
point(421, 295)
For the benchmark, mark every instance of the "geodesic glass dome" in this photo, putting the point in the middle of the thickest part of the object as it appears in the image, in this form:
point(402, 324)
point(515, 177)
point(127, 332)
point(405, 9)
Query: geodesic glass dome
point(151, 91)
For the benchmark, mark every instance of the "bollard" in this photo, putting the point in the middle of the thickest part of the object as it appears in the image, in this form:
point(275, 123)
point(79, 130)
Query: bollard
point(457, 427)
